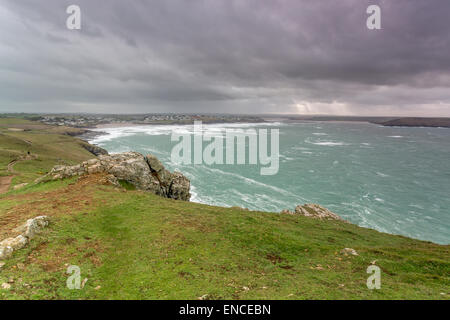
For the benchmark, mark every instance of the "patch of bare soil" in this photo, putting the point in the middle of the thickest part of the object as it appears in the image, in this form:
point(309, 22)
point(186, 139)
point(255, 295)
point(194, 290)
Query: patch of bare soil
point(5, 182)
point(57, 259)
point(66, 200)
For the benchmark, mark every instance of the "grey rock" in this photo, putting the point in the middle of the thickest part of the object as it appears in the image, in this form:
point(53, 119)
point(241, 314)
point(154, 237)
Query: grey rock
point(15, 243)
point(27, 232)
point(20, 186)
point(314, 211)
point(146, 173)
point(5, 286)
point(5, 252)
point(349, 251)
point(95, 150)
point(33, 226)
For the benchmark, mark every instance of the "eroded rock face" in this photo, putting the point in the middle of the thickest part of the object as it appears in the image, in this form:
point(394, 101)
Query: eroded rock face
point(95, 150)
point(314, 211)
point(144, 172)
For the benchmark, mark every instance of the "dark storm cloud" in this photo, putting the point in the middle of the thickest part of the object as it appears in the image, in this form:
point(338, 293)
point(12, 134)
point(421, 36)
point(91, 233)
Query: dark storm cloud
point(226, 56)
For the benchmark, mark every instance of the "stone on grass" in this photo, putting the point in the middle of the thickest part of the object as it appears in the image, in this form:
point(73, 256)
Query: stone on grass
point(6, 286)
point(349, 251)
point(27, 232)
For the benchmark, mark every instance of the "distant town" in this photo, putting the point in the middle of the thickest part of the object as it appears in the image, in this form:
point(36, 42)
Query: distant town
point(98, 120)
point(89, 121)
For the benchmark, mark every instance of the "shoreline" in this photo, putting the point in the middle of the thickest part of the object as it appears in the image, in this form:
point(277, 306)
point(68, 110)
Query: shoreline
point(90, 133)
point(268, 120)
point(135, 124)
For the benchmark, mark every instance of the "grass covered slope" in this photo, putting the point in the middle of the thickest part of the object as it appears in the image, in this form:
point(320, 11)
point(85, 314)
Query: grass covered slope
point(47, 145)
point(135, 245)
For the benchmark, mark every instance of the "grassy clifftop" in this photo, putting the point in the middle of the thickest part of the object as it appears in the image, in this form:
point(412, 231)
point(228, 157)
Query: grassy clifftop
point(46, 145)
point(135, 245)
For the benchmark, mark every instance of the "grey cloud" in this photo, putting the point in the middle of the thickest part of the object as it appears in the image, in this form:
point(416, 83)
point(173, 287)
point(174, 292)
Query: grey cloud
point(250, 56)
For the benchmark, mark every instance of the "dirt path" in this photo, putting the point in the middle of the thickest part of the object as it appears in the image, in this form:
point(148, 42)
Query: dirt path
point(22, 158)
point(65, 200)
point(11, 166)
point(5, 182)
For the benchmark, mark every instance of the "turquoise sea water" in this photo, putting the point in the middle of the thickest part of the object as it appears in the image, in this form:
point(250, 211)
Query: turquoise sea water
point(395, 180)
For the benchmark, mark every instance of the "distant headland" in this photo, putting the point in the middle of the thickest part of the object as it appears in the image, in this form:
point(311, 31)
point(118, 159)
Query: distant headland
point(384, 121)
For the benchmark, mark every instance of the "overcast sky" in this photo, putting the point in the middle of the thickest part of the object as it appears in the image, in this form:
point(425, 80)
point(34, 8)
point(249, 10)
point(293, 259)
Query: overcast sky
point(246, 56)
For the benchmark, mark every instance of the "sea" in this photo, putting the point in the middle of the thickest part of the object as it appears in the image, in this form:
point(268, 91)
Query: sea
point(392, 179)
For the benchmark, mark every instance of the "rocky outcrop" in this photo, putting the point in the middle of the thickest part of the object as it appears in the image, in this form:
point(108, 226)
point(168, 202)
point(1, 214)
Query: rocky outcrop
point(95, 150)
point(314, 211)
point(27, 232)
point(144, 172)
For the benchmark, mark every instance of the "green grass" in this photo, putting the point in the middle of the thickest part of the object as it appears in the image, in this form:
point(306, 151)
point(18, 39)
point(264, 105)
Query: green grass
point(141, 246)
point(127, 185)
point(135, 245)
